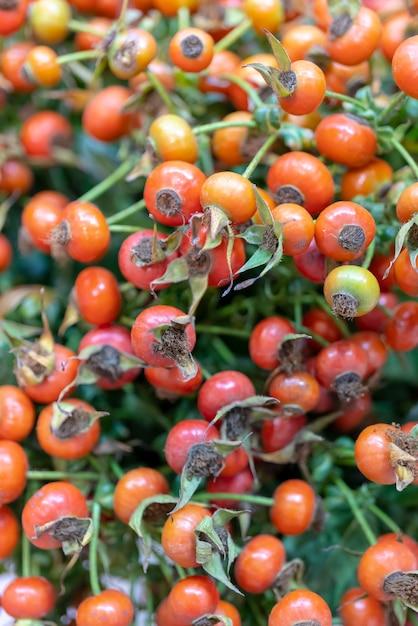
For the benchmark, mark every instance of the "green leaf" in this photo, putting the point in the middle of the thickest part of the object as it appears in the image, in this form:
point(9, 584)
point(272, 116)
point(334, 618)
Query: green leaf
point(263, 209)
point(198, 286)
point(253, 234)
point(273, 78)
point(400, 241)
point(188, 487)
point(260, 257)
point(296, 138)
point(18, 331)
point(177, 271)
point(214, 568)
point(279, 53)
point(254, 402)
point(338, 7)
point(151, 510)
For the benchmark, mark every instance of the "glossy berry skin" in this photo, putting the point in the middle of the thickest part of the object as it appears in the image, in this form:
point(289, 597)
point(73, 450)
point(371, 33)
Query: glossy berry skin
point(135, 486)
point(172, 383)
point(338, 358)
point(311, 263)
point(118, 338)
point(191, 49)
point(359, 42)
point(294, 507)
point(13, 467)
point(12, 59)
point(49, 20)
point(297, 227)
point(48, 504)
point(222, 389)
point(309, 91)
point(15, 177)
point(42, 66)
point(104, 118)
point(184, 435)
point(178, 538)
point(9, 531)
point(172, 139)
point(358, 283)
point(11, 19)
point(356, 609)
point(297, 393)
point(145, 345)
point(404, 67)
point(242, 482)
point(352, 413)
point(380, 560)
point(321, 323)
point(344, 231)
point(97, 295)
point(230, 192)
point(301, 606)
point(40, 216)
point(345, 140)
point(265, 341)
point(108, 608)
point(372, 453)
point(374, 347)
point(17, 413)
point(278, 432)
point(374, 177)
point(42, 131)
point(192, 597)
point(29, 597)
point(406, 275)
point(377, 319)
point(228, 610)
point(172, 192)
point(229, 145)
point(308, 174)
point(407, 204)
point(61, 377)
point(86, 235)
point(72, 447)
point(131, 52)
point(259, 562)
point(137, 248)
point(266, 15)
point(401, 331)
point(299, 39)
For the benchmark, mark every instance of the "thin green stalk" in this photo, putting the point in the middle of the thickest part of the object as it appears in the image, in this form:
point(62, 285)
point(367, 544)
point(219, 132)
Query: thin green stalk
point(223, 330)
point(183, 18)
point(82, 55)
point(180, 571)
point(369, 254)
point(396, 101)
point(340, 96)
point(26, 563)
point(209, 128)
point(123, 228)
point(249, 170)
point(52, 475)
point(93, 567)
point(304, 329)
point(84, 27)
point(239, 497)
point(99, 189)
point(337, 320)
point(406, 156)
point(130, 210)
point(162, 92)
point(249, 90)
point(358, 514)
point(412, 616)
point(388, 521)
point(116, 469)
point(234, 35)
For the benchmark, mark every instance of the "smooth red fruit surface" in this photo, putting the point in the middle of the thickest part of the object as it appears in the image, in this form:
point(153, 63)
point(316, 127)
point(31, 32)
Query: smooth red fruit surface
point(61, 377)
point(108, 608)
point(345, 140)
point(48, 504)
point(9, 531)
point(222, 389)
point(280, 431)
point(28, 597)
point(259, 562)
point(266, 339)
point(43, 131)
point(104, 118)
point(380, 560)
point(294, 507)
point(178, 538)
point(135, 486)
point(86, 232)
point(184, 435)
point(97, 295)
point(17, 413)
point(404, 66)
point(13, 467)
point(372, 453)
point(301, 606)
point(192, 597)
point(357, 609)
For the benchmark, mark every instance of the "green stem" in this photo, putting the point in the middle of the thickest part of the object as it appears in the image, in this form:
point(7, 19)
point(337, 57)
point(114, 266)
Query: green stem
point(130, 210)
point(396, 101)
point(82, 55)
point(51, 475)
point(234, 35)
point(162, 92)
point(26, 564)
point(249, 90)
point(93, 569)
point(340, 96)
point(116, 469)
point(84, 27)
point(239, 497)
point(209, 128)
point(304, 329)
point(183, 17)
point(348, 494)
point(249, 170)
point(123, 228)
point(369, 254)
point(406, 156)
point(412, 616)
point(388, 521)
point(222, 330)
point(99, 189)
point(337, 320)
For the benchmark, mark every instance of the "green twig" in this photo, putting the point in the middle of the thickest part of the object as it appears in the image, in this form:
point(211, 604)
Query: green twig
point(406, 156)
point(82, 55)
point(26, 562)
point(93, 569)
point(249, 89)
point(369, 254)
point(259, 155)
point(209, 128)
point(388, 521)
point(130, 210)
point(162, 92)
point(239, 497)
point(223, 330)
point(340, 96)
point(396, 101)
point(358, 514)
point(52, 475)
point(99, 189)
point(183, 18)
point(234, 35)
